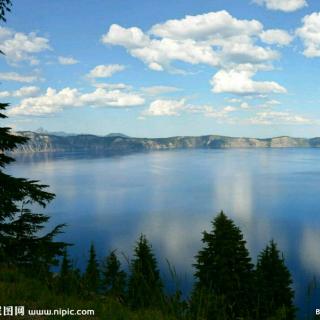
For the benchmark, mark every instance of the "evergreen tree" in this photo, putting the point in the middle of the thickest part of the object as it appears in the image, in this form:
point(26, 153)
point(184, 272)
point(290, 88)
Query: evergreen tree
point(66, 266)
point(145, 288)
point(275, 294)
point(113, 278)
point(5, 5)
point(67, 276)
point(19, 226)
point(92, 273)
point(224, 273)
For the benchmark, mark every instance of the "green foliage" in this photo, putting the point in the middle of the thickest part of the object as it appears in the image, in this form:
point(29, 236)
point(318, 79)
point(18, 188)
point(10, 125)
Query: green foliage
point(20, 242)
point(275, 294)
point(16, 288)
point(92, 273)
point(5, 5)
point(145, 288)
point(113, 278)
point(224, 272)
point(69, 279)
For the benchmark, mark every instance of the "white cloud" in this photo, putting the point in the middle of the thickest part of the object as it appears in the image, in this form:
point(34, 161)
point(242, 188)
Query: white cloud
point(13, 76)
point(113, 98)
point(22, 92)
point(19, 46)
point(51, 102)
point(216, 39)
point(105, 71)
point(277, 117)
point(310, 34)
point(165, 108)
point(126, 37)
point(5, 94)
point(272, 102)
point(276, 36)
point(54, 101)
point(233, 100)
point(112, 86)
point(282, 5)
point(222, 115)
point(161, 107)
point(229, 109)
point(155, 90)
point(159, 53)
point(245, 105)
point(239, 81)
point(67, 60)
point(206, 27)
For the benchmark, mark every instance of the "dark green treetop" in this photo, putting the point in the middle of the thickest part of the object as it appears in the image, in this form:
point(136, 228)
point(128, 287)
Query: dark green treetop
point(275, 294)
point(145, 288)
point(92, 273)
point(65, 274)
point(113, 278)
point(5, 5)
point(224, 271)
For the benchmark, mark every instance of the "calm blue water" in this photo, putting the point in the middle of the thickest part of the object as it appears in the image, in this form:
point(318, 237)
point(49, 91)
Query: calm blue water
point(172, 196)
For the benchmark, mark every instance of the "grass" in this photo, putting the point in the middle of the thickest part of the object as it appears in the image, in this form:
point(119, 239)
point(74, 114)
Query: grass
point(16, 289)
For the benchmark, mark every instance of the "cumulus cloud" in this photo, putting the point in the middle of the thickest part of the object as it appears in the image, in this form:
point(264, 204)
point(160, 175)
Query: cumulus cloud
point(113, 98)
point(276, 36)
point(203, 27)
point(165, 108)
point(309, 33)
point(105, 71)
point(277, 117)
point(22, 92)
point(245, 105)
point(240, 81)
point(282, 5)
point(126, 37)
point(13, 76)
point(67, 60)
point(112, 86)
point(155, 90)
point(54, 101)
point(220, 114)
point(216, 39)
point(19, 46)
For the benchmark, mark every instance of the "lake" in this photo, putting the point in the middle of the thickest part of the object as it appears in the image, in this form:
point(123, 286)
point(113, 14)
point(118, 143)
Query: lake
point(171, 196)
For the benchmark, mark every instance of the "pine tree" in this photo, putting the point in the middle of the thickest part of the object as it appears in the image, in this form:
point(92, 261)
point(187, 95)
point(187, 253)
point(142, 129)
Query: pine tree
point(145, 288)
point(113, 278)
point(5, 5)
point(275, 294)
point(224, 272)
point(19, 240)
point(66, 277)
point(92, 273)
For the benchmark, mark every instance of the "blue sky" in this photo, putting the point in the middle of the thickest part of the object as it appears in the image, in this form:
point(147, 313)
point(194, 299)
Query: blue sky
point(163, 68)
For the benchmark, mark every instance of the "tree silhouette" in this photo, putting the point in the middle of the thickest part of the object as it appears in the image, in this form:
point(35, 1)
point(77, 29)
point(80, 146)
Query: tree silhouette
point(5, 5)
point(224, 272)
point(275, 294)
point(145, 288)
point(92, 273)
point(65, 279)
point(113, 278)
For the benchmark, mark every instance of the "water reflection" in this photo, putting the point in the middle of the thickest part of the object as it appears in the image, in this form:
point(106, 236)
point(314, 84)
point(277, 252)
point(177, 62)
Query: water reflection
point(173, 196)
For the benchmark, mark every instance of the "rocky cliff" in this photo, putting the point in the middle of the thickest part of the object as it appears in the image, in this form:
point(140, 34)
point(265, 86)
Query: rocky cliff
point(40, 142)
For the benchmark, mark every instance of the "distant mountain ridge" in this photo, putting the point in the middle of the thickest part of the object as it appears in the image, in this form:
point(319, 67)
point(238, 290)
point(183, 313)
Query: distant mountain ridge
point(118, 143)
